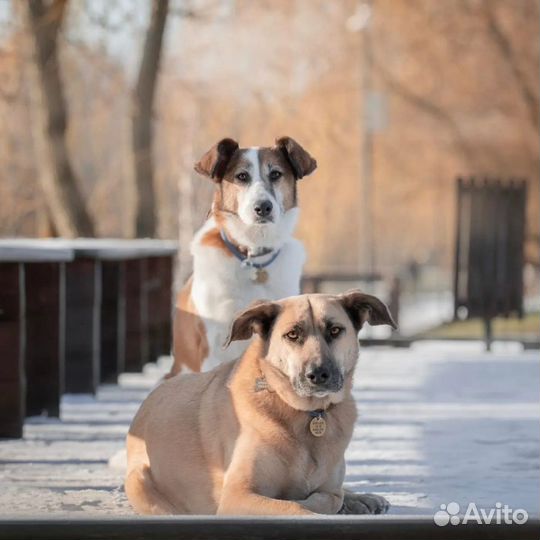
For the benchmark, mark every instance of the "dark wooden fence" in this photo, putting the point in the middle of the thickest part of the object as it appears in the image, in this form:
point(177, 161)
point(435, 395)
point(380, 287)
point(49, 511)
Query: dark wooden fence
point(74, 314)
point(488, 275)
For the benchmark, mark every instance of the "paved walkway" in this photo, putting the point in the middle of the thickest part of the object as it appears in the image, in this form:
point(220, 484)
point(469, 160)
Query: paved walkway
point(438, 423)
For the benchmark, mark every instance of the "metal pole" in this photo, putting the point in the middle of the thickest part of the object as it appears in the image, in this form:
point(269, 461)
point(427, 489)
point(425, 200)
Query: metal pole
point(488, 332)
point(367, 247)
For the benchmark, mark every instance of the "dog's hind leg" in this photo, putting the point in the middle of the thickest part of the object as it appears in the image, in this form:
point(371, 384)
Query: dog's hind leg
point(144, 495)
point(141, 490)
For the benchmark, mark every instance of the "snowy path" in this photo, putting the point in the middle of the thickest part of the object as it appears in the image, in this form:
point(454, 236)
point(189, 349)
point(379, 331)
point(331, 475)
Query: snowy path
point(438, 423)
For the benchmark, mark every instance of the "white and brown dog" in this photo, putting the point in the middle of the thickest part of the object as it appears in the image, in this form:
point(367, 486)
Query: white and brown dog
point(244, 251)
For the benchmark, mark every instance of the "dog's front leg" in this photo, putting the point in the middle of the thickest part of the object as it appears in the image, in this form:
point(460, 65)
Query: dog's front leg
point(328, 499)
point(363, 503)
point(242, 502)
point(322, 502)
point(255, 469)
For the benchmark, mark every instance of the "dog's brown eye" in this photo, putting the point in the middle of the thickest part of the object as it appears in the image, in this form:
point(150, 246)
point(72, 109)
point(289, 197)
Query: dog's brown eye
point(242, 176)
point(292, 335)
point(275, 175)
point(335, 331)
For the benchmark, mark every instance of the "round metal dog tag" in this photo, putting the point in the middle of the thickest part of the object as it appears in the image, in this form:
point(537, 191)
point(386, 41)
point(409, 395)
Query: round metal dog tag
point(317, 426)
point(260, 275)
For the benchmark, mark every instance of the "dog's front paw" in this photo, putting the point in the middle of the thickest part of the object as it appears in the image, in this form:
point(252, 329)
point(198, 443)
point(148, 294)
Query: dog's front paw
point(363, 503)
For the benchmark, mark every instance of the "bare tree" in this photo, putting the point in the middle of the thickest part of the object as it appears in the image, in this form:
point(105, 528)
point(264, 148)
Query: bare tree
point(56, 174)
point(527, 88)
point(143, 101)
point(427, 106)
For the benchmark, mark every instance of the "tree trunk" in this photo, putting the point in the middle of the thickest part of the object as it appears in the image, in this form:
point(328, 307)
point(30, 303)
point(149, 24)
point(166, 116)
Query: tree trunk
point(143, 100)
point(65, 202)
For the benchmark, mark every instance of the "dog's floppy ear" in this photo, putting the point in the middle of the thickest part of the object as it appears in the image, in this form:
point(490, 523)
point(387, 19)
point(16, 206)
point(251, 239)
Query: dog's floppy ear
point(257, 318)
point(299, 159)
point(214, 163)
point(362, 307)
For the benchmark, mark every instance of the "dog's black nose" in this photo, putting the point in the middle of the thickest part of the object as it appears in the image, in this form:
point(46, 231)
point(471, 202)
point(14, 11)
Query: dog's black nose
point(263, 208)
point(318, 375)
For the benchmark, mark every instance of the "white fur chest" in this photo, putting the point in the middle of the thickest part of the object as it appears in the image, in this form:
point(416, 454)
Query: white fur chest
point(222, 286)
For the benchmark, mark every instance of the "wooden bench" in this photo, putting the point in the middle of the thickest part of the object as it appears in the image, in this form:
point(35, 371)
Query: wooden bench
point(118, 308)
point(76, 313)
point(32, 292)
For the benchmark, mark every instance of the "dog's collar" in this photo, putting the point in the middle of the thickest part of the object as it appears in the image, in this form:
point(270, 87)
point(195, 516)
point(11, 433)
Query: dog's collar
point(246, 260)
point(317, 425)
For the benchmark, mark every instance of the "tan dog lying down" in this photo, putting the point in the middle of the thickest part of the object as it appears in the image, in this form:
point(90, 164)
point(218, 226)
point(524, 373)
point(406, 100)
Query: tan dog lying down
point(265, 434)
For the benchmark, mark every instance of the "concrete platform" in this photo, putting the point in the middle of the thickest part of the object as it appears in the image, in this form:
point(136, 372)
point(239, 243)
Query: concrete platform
point(438, 423)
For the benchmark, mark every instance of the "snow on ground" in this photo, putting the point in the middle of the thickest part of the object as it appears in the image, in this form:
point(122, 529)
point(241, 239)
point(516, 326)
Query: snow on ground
point(437, 423)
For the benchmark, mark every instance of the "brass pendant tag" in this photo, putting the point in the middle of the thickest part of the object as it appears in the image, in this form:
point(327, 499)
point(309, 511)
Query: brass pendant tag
point(260, 275)
point(260, 384)
point(317, 426)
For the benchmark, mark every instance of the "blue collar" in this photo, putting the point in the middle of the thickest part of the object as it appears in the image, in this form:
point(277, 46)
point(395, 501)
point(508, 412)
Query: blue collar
point(246, 259)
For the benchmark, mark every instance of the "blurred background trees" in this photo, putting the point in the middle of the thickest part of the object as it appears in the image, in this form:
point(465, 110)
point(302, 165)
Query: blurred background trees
point(57, 178)
point(149, 86)
point(142, 129)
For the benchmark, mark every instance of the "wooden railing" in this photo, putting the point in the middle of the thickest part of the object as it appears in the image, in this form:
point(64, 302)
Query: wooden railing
point(263, 528)
point(74, 314)
point(311, 283)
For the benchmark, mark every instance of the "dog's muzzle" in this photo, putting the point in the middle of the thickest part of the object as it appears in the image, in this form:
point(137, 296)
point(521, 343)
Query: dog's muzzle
point(325, 378)
point(263, 211)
